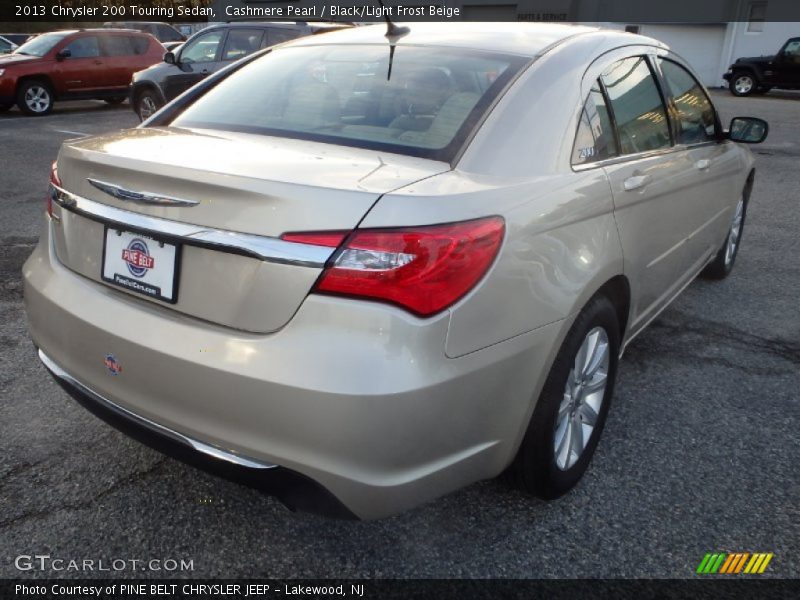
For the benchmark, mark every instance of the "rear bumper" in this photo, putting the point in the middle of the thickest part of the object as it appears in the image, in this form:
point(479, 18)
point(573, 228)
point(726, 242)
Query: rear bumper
point(294, 490)
point(357, 397)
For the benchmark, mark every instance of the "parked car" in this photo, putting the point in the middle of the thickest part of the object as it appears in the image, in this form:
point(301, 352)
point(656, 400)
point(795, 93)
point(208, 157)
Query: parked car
point(6, 46)
point(73, 65)
point(759, 74)
point(163, 32)
point(361, 273)
point(18, 38)
point(207, 52)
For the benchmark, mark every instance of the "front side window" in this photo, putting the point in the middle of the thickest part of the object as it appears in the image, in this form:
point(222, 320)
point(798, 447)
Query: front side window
point(202, 49)
point(791, 52)
point(84, 47)
point(697, 120)
point(418, 102)
point(595, 138)
point(242, 42)
point(639, 112)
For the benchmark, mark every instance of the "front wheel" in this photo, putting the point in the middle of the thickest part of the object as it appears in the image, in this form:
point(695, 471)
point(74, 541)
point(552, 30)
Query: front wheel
point(569, 417)
point(742, 84)
point(723, 262)
point(35, 98)
point(147, 104)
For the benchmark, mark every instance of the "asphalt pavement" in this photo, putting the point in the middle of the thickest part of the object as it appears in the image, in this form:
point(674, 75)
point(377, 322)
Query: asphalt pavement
point(700, 454)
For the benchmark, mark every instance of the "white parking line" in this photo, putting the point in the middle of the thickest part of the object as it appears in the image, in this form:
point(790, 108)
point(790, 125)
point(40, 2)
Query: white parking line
point(68, 132)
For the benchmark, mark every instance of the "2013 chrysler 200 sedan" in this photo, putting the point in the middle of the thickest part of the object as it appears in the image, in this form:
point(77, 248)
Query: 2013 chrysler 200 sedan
point(363, 271)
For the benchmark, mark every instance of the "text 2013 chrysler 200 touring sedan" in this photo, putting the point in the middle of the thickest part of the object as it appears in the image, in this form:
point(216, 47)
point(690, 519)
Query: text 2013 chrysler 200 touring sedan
point(365, 271)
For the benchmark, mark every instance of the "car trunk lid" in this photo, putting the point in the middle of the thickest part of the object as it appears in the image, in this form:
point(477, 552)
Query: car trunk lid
point(223, 199)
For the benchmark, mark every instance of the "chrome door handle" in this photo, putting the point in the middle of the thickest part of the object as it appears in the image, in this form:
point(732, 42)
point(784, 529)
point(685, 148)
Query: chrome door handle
point(702, 164)
point(636, 182)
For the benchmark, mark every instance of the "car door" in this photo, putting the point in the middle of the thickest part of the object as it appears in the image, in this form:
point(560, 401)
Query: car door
point(118, 50)
point(84, 69)
point(198, 58)
point(712, 164)
point(647, 180)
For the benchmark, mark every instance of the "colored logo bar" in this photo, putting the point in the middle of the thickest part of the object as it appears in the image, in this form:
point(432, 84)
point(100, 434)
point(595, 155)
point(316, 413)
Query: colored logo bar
point(735, 563)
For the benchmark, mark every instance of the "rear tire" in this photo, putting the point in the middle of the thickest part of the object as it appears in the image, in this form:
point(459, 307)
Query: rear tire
point(574, 402)
point(35, 98)
point(723, 262)
point(147, 103)
point(743, 83)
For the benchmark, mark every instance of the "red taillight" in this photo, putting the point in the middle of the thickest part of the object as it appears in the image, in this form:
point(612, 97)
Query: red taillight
point(422, 269)
point(54, 180)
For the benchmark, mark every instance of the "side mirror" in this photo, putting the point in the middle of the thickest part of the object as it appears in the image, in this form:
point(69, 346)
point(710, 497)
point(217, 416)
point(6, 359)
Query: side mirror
point(748, 130)
point(62, 54)
point(169, 58)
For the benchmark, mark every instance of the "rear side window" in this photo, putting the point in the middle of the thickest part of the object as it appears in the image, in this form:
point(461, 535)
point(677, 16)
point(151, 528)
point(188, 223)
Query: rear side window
point(168, 34)
point(278, 36)
point(242, 42)
point(595, 138)
point(140, 44)
point(697, 121)
point(117, 45)
point(639, 112)
point(84, 47)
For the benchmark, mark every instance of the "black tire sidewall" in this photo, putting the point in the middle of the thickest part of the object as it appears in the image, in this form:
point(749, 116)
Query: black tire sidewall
point(537, 453)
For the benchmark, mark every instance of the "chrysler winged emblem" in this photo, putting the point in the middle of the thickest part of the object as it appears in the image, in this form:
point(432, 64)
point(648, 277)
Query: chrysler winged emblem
point(139, 197)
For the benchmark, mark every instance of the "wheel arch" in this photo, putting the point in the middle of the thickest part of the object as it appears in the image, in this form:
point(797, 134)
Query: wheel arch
point(44, 78)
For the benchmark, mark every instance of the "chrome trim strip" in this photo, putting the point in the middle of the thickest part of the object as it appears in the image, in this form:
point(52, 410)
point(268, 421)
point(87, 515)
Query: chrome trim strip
point(139, 197)
point(201, 447)
point(264, 248)
point(624, 158)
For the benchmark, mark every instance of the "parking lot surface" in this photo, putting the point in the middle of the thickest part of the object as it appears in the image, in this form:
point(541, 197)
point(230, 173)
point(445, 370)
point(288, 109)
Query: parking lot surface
point(700, 452)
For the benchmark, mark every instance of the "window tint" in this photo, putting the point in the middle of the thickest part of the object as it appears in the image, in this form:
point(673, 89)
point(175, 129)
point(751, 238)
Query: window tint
point(595, 138)
point(202, 49)
point(638, 110)
point(696, 118)
point(140, 44)
point(344, 95)
point(242, 42)
point(168, 34)
point(117, 45)
point(792, 52)
point(278, 36)
point(84, 47)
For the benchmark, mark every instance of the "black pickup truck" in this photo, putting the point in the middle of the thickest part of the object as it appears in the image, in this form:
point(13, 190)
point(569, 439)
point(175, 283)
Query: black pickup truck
point(759, 74)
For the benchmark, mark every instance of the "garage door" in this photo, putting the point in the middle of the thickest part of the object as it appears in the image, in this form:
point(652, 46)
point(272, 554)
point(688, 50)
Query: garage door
point(700, 45)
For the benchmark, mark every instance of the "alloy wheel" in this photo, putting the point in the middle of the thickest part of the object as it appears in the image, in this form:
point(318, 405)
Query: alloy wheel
point(735, 233)
point(744, 84)
point(147, 107)
point(583, 396)
point(37, 99)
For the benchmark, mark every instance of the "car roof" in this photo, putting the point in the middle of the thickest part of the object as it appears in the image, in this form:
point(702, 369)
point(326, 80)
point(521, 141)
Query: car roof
point(529, 39)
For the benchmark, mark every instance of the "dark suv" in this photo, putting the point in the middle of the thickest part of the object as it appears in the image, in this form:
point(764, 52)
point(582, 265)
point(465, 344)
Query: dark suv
point(206, 52)
point(759, 74)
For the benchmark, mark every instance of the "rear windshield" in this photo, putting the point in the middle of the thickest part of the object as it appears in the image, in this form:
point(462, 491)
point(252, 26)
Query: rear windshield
point(41, 44)
point(426, 105)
